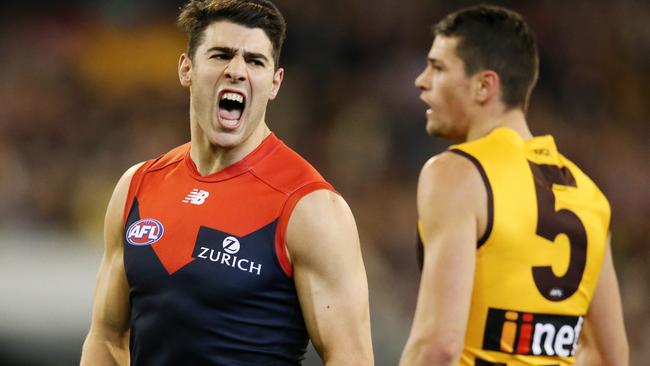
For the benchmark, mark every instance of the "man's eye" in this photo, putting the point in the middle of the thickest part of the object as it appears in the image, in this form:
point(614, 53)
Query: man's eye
point(219, 56)
point(256, 62)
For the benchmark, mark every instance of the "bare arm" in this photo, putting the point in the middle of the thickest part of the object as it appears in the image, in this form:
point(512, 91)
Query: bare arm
point(603, 340)
point(451, 199)
point(330, 277)
point(107, 342)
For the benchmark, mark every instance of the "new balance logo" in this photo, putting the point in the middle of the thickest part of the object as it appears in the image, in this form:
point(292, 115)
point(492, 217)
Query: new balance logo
point(196, 197)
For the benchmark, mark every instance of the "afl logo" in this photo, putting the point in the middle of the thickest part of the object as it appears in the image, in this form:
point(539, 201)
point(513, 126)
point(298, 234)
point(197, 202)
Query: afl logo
point(144, 232)
point(231, 245)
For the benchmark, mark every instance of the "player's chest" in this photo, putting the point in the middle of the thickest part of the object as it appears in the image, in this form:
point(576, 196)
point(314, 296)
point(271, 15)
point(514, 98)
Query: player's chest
point(201, 231)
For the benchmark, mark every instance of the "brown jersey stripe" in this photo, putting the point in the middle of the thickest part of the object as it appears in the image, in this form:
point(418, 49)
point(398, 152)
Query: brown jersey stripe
point(490, 198)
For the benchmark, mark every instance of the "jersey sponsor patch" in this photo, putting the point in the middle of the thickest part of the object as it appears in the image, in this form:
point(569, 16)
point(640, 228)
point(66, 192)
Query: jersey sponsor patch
point(535, 334)
point(212, 246)
point(144, 232)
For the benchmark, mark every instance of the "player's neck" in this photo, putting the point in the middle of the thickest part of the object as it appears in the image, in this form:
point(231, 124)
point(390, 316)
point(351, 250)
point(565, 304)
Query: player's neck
point(513, 119)
point(210, 158)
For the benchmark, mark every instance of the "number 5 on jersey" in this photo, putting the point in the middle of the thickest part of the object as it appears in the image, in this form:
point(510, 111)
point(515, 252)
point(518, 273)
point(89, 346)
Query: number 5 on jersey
point(551, 223)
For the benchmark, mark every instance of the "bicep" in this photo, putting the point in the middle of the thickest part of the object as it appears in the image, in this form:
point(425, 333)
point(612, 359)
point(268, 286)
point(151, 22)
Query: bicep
point(110, 317)
point(329, 275)
point(447, 278)
point(450, 197)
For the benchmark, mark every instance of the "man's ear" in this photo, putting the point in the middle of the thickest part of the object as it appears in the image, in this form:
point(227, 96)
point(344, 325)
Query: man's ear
point(487, 86)
point(185, 70)
point(277, 81)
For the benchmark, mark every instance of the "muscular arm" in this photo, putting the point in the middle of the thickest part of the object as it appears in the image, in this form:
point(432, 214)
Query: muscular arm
point(107, 341)
point(330, 277)
point(452, 209)
point(603, 340)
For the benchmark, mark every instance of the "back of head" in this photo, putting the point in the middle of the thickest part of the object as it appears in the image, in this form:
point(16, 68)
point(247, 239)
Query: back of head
point(497, 39)
point(196, 15)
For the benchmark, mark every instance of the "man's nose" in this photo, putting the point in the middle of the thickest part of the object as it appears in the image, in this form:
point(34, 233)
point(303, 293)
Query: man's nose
point(236, 69)
point(420, 81)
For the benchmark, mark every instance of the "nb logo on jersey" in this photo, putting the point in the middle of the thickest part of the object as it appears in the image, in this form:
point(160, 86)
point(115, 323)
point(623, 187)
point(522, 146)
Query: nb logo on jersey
point(196, 197)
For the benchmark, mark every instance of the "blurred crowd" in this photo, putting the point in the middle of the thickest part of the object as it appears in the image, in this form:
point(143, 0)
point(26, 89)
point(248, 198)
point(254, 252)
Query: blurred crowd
point(90, 88)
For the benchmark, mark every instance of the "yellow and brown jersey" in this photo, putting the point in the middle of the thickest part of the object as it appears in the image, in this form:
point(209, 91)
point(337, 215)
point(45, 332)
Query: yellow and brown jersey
point(538, 262)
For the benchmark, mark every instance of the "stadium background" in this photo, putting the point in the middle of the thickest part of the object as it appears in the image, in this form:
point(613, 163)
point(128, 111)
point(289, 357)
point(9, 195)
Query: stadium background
point(89, 88)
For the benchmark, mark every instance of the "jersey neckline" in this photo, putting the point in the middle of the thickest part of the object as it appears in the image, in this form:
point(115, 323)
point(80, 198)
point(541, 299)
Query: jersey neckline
point(268, 145)
point(540, 149)
point(534, 141)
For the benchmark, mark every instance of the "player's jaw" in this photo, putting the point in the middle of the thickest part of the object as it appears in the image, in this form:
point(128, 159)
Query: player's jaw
point(431, 124)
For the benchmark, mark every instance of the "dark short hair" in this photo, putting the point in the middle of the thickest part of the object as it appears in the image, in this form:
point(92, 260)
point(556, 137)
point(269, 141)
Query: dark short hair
point(497, 39)
point(196, 15)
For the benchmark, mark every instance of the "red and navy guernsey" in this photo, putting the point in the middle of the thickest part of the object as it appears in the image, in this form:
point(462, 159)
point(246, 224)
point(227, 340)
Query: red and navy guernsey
point(209, 279)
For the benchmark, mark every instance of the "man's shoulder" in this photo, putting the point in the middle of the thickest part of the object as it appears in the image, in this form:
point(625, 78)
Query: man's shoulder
point(449, 181)
point(172, 156)
point(286, 170)
point(448, 167)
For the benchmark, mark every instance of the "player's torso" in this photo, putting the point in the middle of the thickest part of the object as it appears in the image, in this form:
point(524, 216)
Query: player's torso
point(537, 270)
point(206, 285)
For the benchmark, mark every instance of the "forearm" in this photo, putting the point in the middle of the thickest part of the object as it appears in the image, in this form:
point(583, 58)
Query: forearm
point(350, 359)
point(101, 350)
point(425, 353)
point(343, 337)
point(587, 355)
point(591, 357)
point(347, 350)
point(604, 339)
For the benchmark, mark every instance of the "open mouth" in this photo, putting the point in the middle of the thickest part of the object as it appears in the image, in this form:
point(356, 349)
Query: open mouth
point(231, 108)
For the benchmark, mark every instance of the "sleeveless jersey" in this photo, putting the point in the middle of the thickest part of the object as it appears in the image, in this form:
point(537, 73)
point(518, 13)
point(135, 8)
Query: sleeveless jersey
point(539, 260)
point(210, 281)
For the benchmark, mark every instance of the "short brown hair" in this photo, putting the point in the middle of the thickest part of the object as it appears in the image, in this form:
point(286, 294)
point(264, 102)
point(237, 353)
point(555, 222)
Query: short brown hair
point(196, 15)
point(498, 39)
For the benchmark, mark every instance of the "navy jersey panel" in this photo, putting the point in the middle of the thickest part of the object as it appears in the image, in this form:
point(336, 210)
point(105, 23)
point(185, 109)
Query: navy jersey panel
point(220, 309)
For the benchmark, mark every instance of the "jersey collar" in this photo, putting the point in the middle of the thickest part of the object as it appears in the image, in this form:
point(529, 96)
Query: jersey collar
point(268, 145)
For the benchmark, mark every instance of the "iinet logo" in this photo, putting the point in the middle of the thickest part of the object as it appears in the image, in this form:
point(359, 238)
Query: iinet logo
point(531, 334)
point(196, 197)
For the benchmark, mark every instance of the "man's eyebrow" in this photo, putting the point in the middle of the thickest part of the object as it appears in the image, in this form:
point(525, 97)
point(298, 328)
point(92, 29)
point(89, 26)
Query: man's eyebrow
point(233, 51)
point(228, 50)
point(255, 55)
point(436, 62)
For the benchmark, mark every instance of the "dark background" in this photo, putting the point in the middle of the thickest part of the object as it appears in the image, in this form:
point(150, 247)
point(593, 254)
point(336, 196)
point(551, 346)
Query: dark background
point(90, 88)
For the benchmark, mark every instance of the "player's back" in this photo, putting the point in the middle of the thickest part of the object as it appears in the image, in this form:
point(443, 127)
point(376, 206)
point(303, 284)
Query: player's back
point(538, 263)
